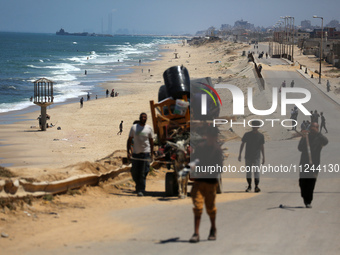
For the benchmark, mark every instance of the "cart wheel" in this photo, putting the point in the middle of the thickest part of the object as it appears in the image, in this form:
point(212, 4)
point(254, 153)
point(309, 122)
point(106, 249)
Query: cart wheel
point(220, 186)
point(171, 185)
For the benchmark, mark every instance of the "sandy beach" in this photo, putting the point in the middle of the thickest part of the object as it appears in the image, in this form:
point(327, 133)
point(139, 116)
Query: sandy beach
point(89, 135)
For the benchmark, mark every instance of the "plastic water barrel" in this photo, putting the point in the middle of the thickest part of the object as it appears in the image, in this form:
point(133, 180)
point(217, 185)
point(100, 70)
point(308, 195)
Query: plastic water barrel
point(177, 81)
point(162, 93)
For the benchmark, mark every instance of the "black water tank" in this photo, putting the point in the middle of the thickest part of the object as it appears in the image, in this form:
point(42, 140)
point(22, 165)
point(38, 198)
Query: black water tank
point(177, 81)
point(162, 93)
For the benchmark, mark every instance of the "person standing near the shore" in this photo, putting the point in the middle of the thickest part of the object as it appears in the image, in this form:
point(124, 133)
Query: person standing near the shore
point(254, 141)
point(323, 123)
point(142, 152)
point(107, 93)
point(81, 102)
point(310, 161)
point(120, 128)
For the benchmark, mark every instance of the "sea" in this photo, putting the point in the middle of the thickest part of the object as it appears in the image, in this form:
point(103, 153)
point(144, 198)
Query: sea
point(27, 57)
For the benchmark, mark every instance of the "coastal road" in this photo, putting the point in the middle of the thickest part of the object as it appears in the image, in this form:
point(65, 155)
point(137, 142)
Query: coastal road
point(257, 225)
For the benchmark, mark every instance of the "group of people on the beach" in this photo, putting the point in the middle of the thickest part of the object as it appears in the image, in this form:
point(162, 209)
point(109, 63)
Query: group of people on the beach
point(112, 94)
point(47, 118)
point(88, 96)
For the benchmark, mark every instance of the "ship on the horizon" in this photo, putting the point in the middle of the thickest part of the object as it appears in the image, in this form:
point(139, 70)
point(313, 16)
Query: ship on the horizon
point(62, 32)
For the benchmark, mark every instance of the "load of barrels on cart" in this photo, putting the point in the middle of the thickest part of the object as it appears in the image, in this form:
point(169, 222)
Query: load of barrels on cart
point(171, 124)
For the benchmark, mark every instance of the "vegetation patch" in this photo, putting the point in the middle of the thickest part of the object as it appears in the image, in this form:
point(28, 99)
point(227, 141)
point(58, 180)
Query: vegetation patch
point(4, 172)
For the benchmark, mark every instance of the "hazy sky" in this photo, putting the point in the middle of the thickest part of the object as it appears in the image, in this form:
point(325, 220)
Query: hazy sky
point(155, 16)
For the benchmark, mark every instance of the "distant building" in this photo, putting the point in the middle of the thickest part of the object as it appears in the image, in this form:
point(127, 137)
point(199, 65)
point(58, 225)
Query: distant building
point(306, 24)
point(109, 24)
point(302, 35)
point(242, 24)
point(226, 27)
point(334, 23)
point(328, 32)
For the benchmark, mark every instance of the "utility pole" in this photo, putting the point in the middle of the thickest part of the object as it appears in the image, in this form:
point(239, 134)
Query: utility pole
point(317, 17)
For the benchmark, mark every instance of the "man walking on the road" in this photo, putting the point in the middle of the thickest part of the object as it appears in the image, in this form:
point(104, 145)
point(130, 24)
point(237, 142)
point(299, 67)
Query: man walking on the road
point(254, 147)
point(328, 86)
point(142, 152)
point(323, 123)
point(315, 116)
point(310, 146)
point(204, 189)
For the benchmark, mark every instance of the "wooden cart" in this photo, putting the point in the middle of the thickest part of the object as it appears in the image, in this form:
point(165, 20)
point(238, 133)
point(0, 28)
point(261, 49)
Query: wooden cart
point(167, 125)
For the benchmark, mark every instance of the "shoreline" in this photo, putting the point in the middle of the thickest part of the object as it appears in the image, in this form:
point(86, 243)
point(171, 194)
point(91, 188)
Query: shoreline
point(14, 116)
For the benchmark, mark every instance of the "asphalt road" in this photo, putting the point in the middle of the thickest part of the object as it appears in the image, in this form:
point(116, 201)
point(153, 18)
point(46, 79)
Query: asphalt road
point(258, 225)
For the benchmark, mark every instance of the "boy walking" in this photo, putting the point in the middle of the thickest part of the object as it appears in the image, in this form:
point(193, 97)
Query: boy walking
point(254, 141)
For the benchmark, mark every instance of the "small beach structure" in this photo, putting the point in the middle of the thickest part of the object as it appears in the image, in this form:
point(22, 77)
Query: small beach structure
point(43, 96)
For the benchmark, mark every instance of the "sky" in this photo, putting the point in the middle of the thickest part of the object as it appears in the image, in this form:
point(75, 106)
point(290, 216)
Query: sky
point(155, 16)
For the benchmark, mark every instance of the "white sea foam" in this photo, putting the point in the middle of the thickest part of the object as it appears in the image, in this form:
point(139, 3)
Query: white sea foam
point(7, 107)
point(101, 65)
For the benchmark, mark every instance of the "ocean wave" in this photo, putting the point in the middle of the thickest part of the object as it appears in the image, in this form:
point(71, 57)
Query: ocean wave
point(62, 77)
point(66, 68)
point(7, 107)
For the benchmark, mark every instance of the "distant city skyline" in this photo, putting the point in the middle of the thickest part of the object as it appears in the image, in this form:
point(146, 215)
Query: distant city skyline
point(155, 16)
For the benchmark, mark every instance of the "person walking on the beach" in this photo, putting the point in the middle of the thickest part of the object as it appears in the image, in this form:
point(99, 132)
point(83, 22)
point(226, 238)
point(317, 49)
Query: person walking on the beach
point(142, 152)
point(120, 128)
point(204, 188)
point(81, 102)
point(323, 123)
point(328, 86)
point(254, 141)
point(107, 93)
point(310, 161)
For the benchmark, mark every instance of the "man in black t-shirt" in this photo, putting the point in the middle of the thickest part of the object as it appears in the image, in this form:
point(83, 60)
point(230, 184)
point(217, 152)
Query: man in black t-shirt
point(310, 161)
point(254, 141)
